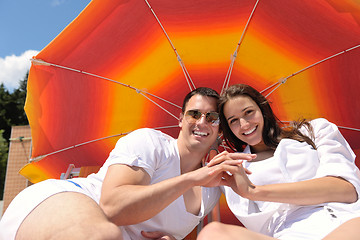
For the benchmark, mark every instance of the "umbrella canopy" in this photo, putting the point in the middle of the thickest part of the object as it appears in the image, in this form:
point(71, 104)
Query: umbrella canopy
point(123, 65)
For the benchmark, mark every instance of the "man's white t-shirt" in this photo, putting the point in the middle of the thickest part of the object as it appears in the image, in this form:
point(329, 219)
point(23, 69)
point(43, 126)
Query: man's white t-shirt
point(158, 154)
point(151, 150)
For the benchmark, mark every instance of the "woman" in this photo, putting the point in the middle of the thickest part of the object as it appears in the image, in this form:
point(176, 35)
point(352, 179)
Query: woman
point(304, 182)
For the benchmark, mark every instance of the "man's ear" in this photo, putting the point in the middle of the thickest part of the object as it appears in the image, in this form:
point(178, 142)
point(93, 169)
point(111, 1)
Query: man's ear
point(181, 118)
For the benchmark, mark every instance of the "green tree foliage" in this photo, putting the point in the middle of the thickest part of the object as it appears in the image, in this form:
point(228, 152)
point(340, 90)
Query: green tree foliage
point(4, 147)
point(12, 107)
point(4, 120)
point(11, 114)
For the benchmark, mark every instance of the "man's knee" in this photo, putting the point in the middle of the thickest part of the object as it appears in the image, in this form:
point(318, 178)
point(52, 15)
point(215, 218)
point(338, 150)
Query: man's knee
point(68, 215)
point(104, 230)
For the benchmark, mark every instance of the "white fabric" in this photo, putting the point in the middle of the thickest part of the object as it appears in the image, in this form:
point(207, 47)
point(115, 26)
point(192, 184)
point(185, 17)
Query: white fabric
point(158, 154)
point(28, 199)
point(294, 161)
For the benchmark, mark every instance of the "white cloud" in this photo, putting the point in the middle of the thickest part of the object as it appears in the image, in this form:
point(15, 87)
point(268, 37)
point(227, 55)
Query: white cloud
point(14, 68)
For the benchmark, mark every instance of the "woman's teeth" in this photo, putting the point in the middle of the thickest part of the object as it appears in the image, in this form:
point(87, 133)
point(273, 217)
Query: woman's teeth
point(250, 131)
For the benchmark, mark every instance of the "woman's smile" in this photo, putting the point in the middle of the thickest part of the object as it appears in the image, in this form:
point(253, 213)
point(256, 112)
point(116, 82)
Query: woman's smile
point(250, 131)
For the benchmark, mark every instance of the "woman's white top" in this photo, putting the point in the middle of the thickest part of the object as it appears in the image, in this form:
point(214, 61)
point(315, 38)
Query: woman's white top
point(295, 161)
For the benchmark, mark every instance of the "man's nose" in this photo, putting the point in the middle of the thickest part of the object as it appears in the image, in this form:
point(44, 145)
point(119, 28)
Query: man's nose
point(202, 119)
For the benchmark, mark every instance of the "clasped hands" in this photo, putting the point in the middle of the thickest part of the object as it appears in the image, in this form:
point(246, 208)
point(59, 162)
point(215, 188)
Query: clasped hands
point(224, 169)
point(227, 169)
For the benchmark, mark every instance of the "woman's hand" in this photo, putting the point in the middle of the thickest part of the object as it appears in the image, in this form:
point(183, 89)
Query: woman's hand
point(236, 175)
point(239, 181)
point(224, 156)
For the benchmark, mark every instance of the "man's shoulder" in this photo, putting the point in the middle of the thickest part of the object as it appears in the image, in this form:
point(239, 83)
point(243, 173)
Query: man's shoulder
point(154, 141)
point(149, 133)
point(146, 139)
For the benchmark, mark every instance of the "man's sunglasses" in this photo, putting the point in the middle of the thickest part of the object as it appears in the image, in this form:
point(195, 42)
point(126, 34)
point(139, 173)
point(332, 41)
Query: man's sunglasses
point(211, 117)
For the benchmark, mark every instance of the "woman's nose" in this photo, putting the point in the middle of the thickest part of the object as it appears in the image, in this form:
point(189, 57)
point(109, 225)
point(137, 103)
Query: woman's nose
point(243, 123)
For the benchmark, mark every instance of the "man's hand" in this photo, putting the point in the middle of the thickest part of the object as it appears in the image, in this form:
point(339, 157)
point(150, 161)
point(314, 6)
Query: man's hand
point(157, 235)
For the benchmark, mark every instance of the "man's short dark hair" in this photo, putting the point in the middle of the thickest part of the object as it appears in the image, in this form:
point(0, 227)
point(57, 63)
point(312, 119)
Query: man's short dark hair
point(203, 91)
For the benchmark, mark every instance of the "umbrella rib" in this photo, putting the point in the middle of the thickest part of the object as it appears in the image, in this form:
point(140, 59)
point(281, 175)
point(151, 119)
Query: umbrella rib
point(234, 56)
point(160, 106)
point(349, 128)
point(321, 61)
point(42, 62)
point(162, 99)
point(36, 159)
point(186, 73)
point(228, 74)
point(278, 84)
point(283, 80)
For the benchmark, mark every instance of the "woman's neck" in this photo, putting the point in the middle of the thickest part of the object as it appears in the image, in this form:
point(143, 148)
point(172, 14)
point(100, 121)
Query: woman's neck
point(260, 147)
point(262, 151)
point(264, 155)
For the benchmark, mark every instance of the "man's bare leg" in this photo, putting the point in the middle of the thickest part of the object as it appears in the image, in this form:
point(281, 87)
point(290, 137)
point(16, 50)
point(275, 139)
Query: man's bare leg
point(67, 215)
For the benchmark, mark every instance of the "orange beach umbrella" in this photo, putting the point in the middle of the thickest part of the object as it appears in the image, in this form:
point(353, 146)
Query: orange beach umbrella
point(123, 65)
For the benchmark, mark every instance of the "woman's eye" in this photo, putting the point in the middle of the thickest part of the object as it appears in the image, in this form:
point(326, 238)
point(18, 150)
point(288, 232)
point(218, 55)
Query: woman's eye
point(249, 111)
point(232, 121)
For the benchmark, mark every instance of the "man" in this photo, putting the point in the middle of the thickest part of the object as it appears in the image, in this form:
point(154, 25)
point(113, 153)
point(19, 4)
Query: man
point(149, 185)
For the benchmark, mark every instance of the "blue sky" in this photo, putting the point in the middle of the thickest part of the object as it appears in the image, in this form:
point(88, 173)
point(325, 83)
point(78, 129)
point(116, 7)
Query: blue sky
point(26, 27)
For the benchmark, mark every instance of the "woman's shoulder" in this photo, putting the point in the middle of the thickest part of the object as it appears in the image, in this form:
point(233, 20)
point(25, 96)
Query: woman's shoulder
point(319, 121)
point(322, 123)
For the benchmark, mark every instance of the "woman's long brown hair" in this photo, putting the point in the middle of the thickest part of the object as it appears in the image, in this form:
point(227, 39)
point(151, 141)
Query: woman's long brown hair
point(274, 129)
